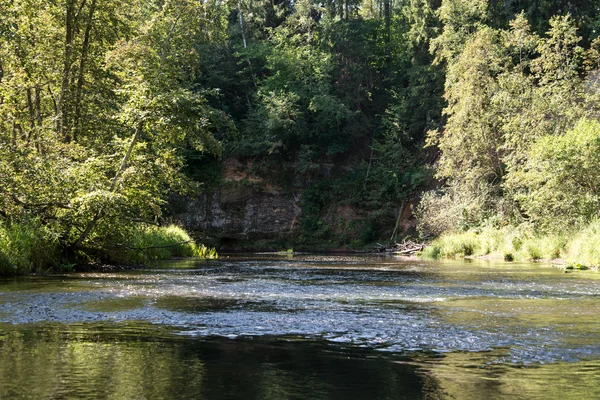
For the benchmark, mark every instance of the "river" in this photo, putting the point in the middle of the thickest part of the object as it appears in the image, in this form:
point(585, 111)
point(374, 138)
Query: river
point(304, 327)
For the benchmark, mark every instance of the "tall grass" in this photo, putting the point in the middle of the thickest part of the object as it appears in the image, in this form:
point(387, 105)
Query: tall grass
point(584, 247)
point(25, 248)
point(515, 243)
point(147, 244)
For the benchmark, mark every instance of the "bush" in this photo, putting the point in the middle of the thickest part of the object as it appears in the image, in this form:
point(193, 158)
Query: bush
point(532, 250)
point(559, 184)
point(432, 251)
point(518, 243)
point(27, 247)
point(459, 244)
point(459, 207)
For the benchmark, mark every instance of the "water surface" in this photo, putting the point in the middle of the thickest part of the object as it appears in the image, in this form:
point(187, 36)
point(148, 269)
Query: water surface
point(303, 327)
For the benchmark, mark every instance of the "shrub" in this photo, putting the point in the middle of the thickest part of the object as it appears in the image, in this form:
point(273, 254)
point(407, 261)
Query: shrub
point(459, 207)
point(532, 250)
point(559, 184)
point(459, 244)
point(432, 251)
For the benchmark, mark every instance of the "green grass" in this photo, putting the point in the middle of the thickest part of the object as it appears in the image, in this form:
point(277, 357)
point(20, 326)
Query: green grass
point(584, 247)
point(510, 244)
point(579, 248)
point(148, 244)
point(25, 248)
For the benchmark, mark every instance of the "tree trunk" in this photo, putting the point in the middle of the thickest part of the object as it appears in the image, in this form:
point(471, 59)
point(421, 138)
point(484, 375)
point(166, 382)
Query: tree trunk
point(38, 116)
point(388, 23)
point(30, 108)
point(241, 18)
point(14, 133)
point(80, 73)
point(1, 78)
point(136, 136)
point(393, 237)
point(61, 115)
point(368, 168)
point(62, 125)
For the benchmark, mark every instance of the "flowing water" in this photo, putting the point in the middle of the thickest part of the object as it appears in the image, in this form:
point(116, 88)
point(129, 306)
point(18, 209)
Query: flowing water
point(303, 327)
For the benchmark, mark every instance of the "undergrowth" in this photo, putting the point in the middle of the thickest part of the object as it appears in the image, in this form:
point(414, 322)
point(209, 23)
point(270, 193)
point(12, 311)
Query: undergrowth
point(26, 247)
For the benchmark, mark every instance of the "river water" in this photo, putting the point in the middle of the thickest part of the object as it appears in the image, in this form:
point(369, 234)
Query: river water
point(303, 327)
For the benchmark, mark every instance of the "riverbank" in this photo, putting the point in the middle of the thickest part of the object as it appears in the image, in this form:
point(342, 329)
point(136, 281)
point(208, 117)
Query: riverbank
point(27, 248)
point(578, 249)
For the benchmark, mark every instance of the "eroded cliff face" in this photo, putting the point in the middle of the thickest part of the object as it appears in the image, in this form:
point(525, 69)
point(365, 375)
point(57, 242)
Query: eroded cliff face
point(242, 213)
point(246, 211)
point(243, 207)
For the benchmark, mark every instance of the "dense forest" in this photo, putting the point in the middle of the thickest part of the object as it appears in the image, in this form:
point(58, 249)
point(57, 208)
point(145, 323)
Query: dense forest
point(481, 114)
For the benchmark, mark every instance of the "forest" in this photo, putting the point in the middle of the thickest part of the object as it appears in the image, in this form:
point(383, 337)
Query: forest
point(483, 115)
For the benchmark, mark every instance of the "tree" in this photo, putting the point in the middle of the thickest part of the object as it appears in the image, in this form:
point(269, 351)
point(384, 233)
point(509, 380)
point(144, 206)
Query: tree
point(90, 191)
point(559, 185)
point(506, 91)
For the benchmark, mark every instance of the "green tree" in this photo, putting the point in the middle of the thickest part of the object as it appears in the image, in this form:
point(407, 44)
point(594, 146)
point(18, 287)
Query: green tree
point(506, 90)
point(89, 192)
point(559, 184)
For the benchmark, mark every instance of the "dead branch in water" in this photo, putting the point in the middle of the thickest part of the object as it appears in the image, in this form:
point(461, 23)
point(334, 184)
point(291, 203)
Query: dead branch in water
point(407, 247)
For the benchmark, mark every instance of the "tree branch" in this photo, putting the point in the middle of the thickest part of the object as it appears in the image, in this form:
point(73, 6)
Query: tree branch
point(92, 224)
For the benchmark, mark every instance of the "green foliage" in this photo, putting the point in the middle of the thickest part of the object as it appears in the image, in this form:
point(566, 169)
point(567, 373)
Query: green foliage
point(459, 208)
point(509, 244)
point(98, 117)
point(460, 19)
point(314, 201)
point(584, 246)
point(464, 244)
point(432, 252)
point(107, 109)
point(558, 185)
point(512, 150)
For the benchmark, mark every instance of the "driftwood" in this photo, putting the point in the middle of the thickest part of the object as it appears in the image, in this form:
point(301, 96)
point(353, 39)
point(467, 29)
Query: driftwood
point(407, 247)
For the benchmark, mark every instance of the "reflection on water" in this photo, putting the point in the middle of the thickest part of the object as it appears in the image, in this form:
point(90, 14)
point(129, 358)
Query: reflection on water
point(307, 327)
point(118, 362)
point(469, 376)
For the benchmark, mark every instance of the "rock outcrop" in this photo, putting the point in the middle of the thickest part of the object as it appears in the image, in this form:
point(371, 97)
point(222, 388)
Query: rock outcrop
point(241, 213)
point(243, 207)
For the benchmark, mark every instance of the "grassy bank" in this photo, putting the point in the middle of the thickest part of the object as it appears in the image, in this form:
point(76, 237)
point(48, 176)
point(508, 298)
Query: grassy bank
point(28, 247)
point(579, 248)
